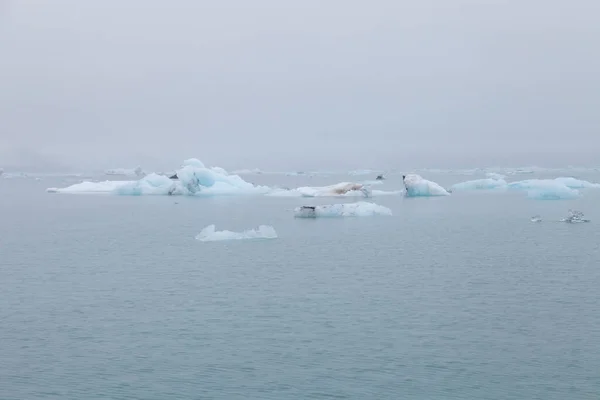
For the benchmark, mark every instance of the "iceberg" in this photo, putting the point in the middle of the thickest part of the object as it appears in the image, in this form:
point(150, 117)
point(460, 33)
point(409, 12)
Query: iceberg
point(479, 184)
point(193, 162)
point(574, 183)
point(209, 234)
point(542, 189)
point(193, 178)
point(342, 189)
point(545, 189)
point(338, 189)
point(137, 171)
point(90, 187)
point(416, 186)
point(359, 209)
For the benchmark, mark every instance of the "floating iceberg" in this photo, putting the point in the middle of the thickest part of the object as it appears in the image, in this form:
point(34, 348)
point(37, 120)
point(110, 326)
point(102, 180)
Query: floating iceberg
point(339, 189)
point(574, 183)
point(90, 187)
point(359, 209)
point(209, 234)
point(479, 184)
point(192, 179)
point(536, 218)
point(137, 171)
point(416, 186)
point(541, 189)
point(545, 189)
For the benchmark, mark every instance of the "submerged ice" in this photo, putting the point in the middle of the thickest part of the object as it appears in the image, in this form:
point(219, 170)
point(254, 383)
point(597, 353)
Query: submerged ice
point(210, 234)
point(359, 209)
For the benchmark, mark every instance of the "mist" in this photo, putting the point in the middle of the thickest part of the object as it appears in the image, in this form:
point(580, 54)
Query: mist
point(299, 85)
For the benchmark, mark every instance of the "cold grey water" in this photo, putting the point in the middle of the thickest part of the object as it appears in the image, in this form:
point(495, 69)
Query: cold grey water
point(457, 297)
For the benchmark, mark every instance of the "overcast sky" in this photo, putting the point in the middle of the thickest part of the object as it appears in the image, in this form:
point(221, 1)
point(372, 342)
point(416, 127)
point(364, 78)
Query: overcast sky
point(300, 84)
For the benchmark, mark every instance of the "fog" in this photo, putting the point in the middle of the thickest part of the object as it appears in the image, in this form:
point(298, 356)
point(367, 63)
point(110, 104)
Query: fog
point(299, 84)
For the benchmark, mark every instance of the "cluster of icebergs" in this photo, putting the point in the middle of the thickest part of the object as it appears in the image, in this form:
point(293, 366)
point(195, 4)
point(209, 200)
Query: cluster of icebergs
point(193, 178)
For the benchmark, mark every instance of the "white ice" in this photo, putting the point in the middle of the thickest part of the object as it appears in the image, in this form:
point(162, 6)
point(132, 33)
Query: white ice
point(342, 189)
point(90, 187)
point(359, 209)
point(416, 186)
point(209, 234)
point(495, 175)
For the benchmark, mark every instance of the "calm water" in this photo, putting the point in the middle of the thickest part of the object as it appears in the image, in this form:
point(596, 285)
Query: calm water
point(107, 297)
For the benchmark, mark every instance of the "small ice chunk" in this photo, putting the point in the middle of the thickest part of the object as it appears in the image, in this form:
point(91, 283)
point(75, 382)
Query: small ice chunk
point(536, 218)
point(209, 234)
point(575, 217)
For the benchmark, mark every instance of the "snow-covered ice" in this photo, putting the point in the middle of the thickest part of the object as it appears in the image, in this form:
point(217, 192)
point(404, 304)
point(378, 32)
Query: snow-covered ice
point(209, 234)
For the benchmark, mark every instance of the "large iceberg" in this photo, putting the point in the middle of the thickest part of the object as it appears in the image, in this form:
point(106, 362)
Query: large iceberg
point(359, 209)
point(478, 184)
point(416, 186)
point(193, 178)
point(209, 234)
point(137, 171)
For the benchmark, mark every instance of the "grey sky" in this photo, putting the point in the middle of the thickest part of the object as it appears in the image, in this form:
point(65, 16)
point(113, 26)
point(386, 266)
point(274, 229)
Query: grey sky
point(299, 84)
